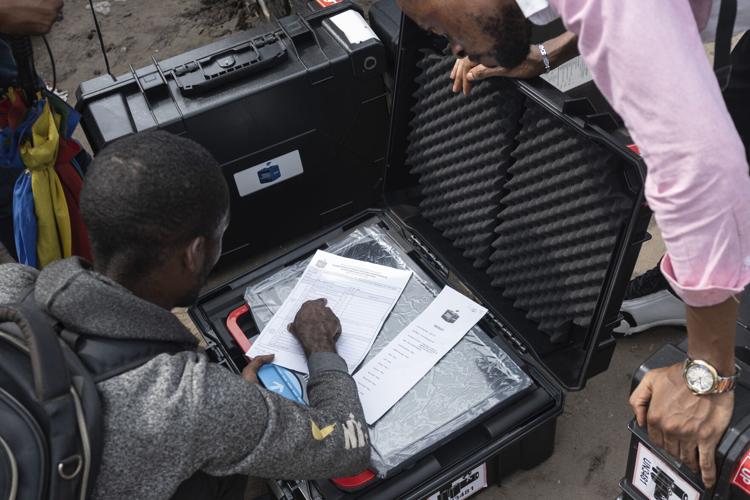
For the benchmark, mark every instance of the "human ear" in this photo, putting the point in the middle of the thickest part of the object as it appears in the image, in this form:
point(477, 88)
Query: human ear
point(195, 254)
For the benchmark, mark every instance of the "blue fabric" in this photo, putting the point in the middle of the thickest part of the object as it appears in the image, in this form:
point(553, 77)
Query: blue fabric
point(76, 166)
point(10, 140)
point(70, 117)
point(24, 221)
point(83, 160)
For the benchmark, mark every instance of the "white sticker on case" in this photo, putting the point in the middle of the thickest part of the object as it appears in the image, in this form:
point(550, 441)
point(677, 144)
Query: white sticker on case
point(659, 481)
point(268, 173)
point(353, 26)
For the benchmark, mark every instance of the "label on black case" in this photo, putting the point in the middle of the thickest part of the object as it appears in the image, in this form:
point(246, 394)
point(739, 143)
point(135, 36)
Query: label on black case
point(463, 487)
point(657, 480)
point(268, 173)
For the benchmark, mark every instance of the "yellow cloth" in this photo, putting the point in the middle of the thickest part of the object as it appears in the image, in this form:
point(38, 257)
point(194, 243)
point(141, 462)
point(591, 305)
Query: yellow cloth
point(54, 239)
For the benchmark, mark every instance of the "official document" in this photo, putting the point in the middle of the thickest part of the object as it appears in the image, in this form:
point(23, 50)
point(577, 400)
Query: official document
point(360, 293)
point(388, 376)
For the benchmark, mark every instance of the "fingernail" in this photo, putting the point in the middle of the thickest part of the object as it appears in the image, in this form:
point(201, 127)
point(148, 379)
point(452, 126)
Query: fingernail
point(470, 76)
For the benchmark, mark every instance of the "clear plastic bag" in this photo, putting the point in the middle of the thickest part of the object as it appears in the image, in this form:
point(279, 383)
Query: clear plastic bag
point(472, 379)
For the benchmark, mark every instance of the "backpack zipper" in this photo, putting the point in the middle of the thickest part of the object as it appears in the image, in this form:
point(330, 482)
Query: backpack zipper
point(37, 431)
point(13, 470)
point(13, 340)
point(85, 443)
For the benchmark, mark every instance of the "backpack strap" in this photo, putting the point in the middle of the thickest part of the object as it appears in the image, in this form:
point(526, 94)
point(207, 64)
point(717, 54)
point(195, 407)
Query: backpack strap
point(108, 358)
point(49, 370)
point(105, 358)
point(723, 46)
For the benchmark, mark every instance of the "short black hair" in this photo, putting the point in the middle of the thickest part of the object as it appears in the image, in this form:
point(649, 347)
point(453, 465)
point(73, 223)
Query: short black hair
point(512, 34)
point(147, 192)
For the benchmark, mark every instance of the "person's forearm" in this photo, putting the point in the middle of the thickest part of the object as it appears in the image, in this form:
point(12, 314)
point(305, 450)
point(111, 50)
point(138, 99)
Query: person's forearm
point(711, 332)
point(28, 17)
point(561, 49)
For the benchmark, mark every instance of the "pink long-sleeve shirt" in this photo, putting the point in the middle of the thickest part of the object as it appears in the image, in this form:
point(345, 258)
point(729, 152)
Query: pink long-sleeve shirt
point(647, 58)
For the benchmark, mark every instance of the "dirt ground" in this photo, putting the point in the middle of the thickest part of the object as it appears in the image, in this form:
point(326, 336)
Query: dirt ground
point(133, 31)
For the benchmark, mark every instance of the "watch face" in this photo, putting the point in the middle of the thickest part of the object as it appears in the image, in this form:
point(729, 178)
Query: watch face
point(699, 378)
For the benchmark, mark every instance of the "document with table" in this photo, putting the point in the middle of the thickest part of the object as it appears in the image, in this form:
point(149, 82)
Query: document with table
point(360, 293)
point(388, 376)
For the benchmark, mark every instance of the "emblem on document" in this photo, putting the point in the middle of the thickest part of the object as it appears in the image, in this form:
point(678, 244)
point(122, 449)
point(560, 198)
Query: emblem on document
point(450, 316)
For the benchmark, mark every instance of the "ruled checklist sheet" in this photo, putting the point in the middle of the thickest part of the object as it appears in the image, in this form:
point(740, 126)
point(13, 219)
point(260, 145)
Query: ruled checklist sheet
point(361, 294)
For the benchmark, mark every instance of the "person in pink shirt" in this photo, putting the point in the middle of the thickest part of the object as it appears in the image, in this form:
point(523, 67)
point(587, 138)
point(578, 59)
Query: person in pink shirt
point(648, 60)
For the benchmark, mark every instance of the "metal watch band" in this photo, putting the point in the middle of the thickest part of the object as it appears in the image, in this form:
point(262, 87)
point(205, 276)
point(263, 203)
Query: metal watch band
point(545, 59)
point(726, 384)
point(722, 384)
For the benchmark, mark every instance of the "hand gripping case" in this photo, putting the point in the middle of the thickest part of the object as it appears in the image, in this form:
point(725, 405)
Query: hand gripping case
point(655, 475)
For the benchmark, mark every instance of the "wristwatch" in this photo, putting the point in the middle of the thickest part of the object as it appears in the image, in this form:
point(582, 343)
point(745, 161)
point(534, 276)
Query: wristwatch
point(702, 378)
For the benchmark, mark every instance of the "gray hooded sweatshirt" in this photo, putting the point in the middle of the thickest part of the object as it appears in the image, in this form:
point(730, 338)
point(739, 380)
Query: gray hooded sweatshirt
point(178, 414)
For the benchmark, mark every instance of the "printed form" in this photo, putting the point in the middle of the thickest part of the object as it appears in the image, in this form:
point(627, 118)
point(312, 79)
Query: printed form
point(360, 293)
point(388, 376)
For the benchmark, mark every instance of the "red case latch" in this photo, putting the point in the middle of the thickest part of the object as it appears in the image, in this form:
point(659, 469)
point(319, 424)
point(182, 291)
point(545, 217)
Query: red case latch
point(234, 328)
point(352, 483)
point(328, 3)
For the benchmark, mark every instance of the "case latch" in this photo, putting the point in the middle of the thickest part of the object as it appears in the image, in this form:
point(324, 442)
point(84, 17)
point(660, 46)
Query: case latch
point(297, 30)
point(584, 109)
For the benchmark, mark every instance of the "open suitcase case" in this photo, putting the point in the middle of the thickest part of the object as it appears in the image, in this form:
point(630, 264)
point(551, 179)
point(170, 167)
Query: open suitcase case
point(525, 199)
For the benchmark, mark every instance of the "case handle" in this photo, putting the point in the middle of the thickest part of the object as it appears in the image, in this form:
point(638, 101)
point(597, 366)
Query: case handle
point(234, 328)
point(248, 58)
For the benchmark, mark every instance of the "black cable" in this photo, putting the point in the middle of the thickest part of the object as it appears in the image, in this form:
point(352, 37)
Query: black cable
point(23, 53)
point(52, 63)
point(101, 39)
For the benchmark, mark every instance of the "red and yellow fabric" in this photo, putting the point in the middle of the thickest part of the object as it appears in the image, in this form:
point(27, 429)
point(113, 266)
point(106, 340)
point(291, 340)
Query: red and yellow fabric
point(12, 110)
point(39, 156)
point(72, 183)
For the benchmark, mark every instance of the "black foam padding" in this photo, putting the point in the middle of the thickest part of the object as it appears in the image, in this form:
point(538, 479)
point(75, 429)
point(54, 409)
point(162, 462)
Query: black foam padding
point(563, 211)
point(460, 147)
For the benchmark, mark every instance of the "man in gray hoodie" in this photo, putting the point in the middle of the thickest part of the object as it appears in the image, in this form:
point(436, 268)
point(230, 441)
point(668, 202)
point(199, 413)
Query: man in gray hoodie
point(156, 207)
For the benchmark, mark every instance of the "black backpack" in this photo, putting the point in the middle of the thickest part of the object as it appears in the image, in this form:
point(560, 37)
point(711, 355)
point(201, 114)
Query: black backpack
point(51, 425)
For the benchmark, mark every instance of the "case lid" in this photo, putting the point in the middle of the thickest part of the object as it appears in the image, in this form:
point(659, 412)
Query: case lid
point(528, 196)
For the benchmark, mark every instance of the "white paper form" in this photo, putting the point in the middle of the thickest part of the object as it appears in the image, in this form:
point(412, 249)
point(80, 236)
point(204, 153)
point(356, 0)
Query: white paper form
point(388, 376)
point(360, 293)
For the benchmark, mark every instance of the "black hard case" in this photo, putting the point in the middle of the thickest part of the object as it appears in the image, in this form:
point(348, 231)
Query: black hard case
point(736, 441)
point(517, 437)
point(309, 90)
point(511, 438)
